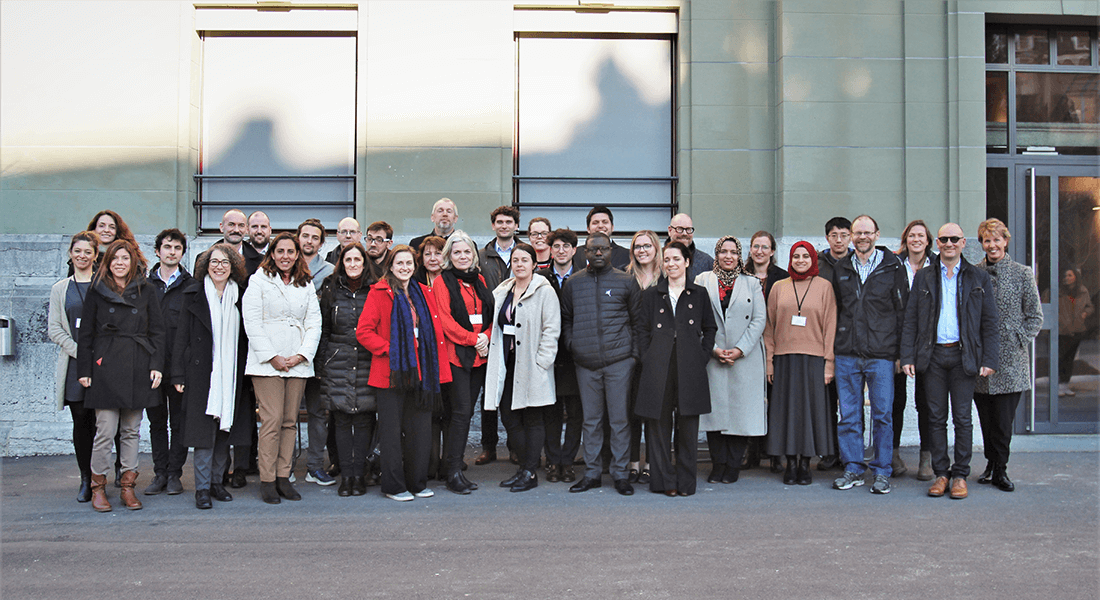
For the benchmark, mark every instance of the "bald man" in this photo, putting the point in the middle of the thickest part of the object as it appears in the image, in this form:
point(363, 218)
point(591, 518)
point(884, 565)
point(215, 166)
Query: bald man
point(234, 226)
point(681, 229)
point(950, 337)
point(347, 233)
point(444, 217)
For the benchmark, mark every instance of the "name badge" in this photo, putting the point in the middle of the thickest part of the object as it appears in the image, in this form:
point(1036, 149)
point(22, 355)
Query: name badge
point(798, 320)
point(475, 319)
point(78, 322)
point(416, 332)
point(509, 330)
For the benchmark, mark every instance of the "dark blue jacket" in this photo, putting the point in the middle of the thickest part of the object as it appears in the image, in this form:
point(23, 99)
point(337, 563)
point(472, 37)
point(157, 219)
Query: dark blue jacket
point(601, 317)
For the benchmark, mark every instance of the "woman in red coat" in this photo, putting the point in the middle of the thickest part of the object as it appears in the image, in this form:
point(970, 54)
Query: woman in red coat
point(400, 326)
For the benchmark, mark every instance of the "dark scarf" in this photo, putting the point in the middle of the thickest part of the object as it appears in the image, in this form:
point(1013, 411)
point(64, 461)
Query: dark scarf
point(404, 354)
point(466, 354)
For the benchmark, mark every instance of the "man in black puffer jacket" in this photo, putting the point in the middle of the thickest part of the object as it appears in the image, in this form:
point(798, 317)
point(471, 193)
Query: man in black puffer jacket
point(600, 325)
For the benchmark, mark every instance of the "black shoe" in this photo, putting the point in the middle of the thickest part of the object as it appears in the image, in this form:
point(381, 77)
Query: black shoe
point(828, 462)
point(777, 464)
point(268, 492)
point(987, 475)
point(643, 477)
point(585, 484)
point(716, 474)
point(345, 487)
point(359, 485)
point(788, 474)
point(174, 485)
point(553, 473)
point(238, 481)
point(507, 483)
point(1001, 481)
point(802, 473)
point(623, 487)
point(157, 485)
point(219, 493)
point(202, 499)
point(730, 475)
point(456, 485)
point(84, 494)
point(286, 489)
point(469, 484)
point(632, 477)
point(527, 481)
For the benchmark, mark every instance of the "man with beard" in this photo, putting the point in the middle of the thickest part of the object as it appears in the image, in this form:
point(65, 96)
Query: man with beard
point(681, 229)
point(259, 233)
point(311, 236)
point(379, 241)
point(444, 217)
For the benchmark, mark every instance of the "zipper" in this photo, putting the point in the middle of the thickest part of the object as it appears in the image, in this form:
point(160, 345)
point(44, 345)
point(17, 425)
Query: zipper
point(599, 317)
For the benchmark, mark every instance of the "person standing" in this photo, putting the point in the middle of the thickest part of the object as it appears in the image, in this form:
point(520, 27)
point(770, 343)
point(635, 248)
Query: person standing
point(208, 364)
point(169, 452)
point(348, 232)
point(915, 254)
point(259, 234)
point(871, 292)
point(951, 336)
point(676, 341)
point(737, 375)
point(311, 237)
point(120, 359)
point(444, 217)
point(1020, 319)
point(600, 220)
point(62, 325)
point(567, 407)
point(378, 243)
point(234, 226)
point(838, 233)
point(538, 232)
point(601, 325)
point(681, 229)
point(283, 322)
point(1074, 309)
point(428, 271)
point(646, 267)
point(107, 226)
point(762, 265)
point(520, 379)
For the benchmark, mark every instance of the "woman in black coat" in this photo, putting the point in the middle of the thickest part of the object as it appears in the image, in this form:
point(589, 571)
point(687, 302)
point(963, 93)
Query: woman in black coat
point(120, 355)
point(343, 366)
point(676, 343)
point(208, 368)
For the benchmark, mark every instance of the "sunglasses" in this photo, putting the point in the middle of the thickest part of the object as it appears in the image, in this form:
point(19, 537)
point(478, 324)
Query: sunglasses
point(949, 239)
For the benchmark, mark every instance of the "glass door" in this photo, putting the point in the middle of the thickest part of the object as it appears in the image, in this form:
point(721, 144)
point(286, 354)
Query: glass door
point(1060, 213)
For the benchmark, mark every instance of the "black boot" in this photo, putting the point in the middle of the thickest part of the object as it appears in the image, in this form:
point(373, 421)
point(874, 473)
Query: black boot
point(268, 492)
point(456, 484)
point(731, 474)
point(802, 476)
point(1000, 479)
point(788, 474)
point(987, 474)
point(345, 487)
point(286, 489)
point(84, 494)
point(359, 485)
point(469, 484)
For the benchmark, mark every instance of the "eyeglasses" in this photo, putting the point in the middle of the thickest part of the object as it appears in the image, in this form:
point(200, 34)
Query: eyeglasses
point(683, 229)
point(863, 233)
point(644, 247)
point(376, 240)
point(347, 232)
point(538, 235)
point(597, 249)
point(839, 235)
point(560, 247)
point(217, 262)
point(949, 239)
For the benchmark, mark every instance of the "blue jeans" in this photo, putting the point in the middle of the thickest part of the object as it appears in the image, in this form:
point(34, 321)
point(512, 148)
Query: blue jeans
point(852, 373)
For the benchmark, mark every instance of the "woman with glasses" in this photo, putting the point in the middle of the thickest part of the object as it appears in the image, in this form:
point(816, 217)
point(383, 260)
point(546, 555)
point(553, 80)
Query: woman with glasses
point(646, 260)
point(538, 232)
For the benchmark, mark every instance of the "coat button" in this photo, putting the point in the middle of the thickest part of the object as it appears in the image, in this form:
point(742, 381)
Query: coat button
point(662, 310)
point(133, 310)
point(691, 321)
point(746, 316)
point(111, 310)
point(519, 324)
point(517, 342)
point(658, 325)
point(690, 306)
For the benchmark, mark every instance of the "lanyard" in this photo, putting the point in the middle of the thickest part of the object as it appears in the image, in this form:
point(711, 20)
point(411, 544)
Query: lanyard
point(794, 285)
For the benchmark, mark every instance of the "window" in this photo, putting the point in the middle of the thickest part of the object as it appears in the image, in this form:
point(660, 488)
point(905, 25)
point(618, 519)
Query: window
point(278, 121)
point(594, 125)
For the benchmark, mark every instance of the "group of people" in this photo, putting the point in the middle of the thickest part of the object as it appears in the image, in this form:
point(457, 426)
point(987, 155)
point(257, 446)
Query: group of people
point(579, 348)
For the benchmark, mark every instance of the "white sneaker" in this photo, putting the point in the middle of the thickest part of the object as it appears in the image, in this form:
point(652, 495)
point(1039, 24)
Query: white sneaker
point(402, 497)
point(425, 493)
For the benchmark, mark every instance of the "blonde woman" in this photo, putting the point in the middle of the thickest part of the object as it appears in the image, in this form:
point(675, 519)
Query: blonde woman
point(646, 262)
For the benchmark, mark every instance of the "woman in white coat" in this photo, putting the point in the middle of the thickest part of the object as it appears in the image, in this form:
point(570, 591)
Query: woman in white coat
point(283, 321)
point(520, 371)
point(738, 375)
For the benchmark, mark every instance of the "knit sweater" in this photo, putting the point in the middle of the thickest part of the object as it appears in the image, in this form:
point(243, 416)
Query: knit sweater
point(819, 308)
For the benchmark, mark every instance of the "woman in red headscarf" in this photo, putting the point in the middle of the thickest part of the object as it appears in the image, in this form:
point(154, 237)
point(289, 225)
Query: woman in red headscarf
point(799, 342)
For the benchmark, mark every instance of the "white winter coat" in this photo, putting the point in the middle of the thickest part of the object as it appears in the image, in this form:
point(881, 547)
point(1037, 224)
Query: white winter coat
point(280, 320)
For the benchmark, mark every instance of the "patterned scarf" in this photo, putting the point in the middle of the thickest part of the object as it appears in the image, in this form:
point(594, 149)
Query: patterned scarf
point(726, 279)
point(414, 366)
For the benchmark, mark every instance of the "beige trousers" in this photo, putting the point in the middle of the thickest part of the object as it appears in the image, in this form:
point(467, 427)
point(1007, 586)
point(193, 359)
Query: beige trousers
point(277, 401)
point(108, 422)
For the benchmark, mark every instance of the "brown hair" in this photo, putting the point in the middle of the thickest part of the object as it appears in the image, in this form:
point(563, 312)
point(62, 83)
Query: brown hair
point(299, 273)
point(992, 226)
point(381, 226)
point(749, 266)
point(905, 236)
point(312, 223)
point(85, 236)
point(122, 232)
point(137, 264)
point(432, 241)
point(508, 211)
point(390, 278)
point(237, 270)
point(339, 270)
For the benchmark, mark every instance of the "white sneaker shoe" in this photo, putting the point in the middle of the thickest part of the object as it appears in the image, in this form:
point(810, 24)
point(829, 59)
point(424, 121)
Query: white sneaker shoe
point(402, 497)
point(425, 493)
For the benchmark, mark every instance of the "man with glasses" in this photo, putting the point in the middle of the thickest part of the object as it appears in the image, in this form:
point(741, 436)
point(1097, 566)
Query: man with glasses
point(378, 242)
point(444, 217)
point(567, 408)
point(871, 291)
point(681, 229)
point(347, 233)
point(838, 231)
point(538, 234)
point(601, 326)
point(951, 338)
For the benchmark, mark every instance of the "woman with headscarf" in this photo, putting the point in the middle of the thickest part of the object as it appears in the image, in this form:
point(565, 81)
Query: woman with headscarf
point(799, 340)
point(738, 396)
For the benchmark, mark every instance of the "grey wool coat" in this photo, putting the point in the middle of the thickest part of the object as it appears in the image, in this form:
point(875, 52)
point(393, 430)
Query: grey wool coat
point(1021, 318)
point(738, 396)
point(538, 325)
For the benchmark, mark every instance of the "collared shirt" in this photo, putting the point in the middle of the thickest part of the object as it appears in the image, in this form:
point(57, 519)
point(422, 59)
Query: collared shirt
point(505, 253)
point(864, 270)
point(910, 272)
point(168, 282)
point(947, 329)
point(562, 278)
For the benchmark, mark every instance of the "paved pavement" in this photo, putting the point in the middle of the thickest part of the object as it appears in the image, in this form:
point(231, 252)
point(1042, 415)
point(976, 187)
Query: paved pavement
point(753, 539)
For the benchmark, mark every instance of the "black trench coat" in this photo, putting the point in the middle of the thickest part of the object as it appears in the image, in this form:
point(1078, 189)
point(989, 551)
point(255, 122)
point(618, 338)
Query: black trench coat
point(691, 331)
point(121, 339)
point(192, 365)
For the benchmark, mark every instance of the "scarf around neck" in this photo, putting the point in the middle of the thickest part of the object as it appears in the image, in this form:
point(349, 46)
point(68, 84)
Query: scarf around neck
point(451, 278)
point(414, 360)
point(812, 271)
point(225, 323)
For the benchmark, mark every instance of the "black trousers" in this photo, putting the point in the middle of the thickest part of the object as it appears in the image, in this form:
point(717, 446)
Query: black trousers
point(567, 410)
point(466, 386)
point(490, 436)
point(403, 441)
point(353, 434)
point(996, 413)
point(663, 475)
point(921, 402)
point(525, 426)
point(727, 450)
point(244, 456)
point(83, 435)
point(945, 379)
point(165, 423)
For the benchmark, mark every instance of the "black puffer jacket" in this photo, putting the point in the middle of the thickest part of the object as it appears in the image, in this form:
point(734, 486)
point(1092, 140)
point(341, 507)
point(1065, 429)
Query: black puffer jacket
point(870, 315)
point(601, 317)
point(342, 363)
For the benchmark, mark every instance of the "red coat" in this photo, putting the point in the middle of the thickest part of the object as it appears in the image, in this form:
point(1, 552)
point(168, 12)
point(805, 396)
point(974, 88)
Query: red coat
point(458, 335)
point(373, 333)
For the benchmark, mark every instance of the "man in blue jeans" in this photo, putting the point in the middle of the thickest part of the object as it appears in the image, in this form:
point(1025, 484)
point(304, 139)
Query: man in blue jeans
point(871, 291)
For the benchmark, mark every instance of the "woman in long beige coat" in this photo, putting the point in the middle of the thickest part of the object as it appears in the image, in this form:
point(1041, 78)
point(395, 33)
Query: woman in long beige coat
point(520, 374)
point(738, 398)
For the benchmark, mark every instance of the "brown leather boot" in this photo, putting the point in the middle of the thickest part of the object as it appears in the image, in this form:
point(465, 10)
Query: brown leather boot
point(127, 495)
point(99, 494)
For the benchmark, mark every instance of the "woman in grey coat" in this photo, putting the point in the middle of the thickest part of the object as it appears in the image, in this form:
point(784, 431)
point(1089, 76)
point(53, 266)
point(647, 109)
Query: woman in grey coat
point(1021, 317)
point(737, 375)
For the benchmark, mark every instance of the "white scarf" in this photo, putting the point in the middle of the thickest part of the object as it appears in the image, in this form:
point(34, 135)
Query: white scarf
point(225, 321)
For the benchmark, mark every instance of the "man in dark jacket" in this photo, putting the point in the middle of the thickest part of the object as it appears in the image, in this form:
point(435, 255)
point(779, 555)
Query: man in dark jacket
point(559, 454)
point(169, 453)
point(681, 229)
point(444, 216)
point(600, 220)
point(838, 231)
point(871, 290)
point(601, 325)
point(951, 337)
point(259, 233)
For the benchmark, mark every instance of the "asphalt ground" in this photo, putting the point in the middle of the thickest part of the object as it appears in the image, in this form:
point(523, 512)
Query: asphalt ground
point(753, 539)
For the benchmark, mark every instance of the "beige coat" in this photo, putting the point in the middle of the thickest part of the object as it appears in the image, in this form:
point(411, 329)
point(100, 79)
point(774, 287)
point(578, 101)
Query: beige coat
point(280, 320)
point(57, 328)
point(538, 325)
point(738, 394)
